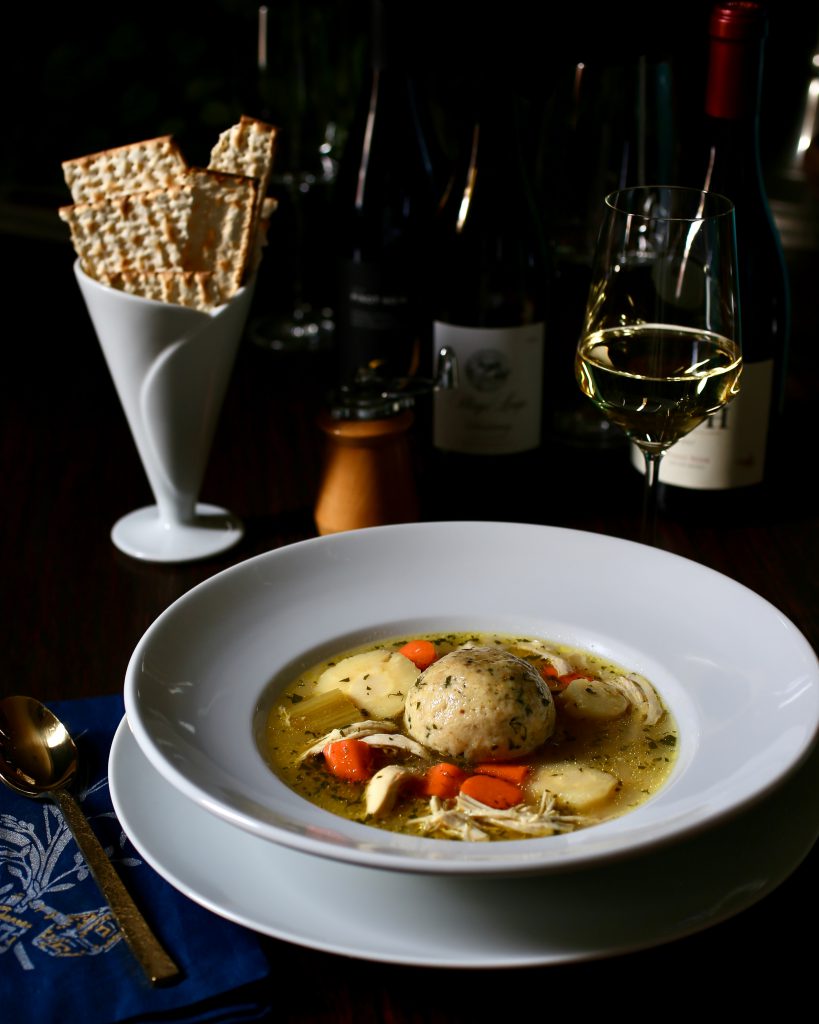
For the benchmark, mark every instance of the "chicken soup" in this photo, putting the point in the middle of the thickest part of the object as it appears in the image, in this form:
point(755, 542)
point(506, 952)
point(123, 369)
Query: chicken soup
point(472, 736)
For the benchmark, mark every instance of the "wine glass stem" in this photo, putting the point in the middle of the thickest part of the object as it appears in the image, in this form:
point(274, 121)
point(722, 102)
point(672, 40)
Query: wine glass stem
point(650, 485)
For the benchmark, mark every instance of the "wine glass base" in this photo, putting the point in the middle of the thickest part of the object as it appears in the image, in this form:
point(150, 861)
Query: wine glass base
point(304, 330)
point(143, 535)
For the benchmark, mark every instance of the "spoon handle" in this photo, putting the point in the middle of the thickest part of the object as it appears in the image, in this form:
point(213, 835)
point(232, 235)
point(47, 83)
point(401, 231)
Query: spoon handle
point(155, 962)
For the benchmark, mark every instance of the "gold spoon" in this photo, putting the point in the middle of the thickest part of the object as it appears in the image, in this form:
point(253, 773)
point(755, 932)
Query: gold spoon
point(38, 758)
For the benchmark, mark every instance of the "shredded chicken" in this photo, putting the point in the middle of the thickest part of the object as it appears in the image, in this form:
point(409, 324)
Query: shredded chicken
point(358, 730)
point(469, 819)
point(383, 789)
point(543, 650)
point(395, 741)
point(642, 695)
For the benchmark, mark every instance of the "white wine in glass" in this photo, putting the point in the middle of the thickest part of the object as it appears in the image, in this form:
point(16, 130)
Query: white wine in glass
point(660, 348)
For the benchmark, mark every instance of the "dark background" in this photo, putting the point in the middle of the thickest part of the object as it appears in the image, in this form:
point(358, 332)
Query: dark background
point(77, 78)
point(82, 77)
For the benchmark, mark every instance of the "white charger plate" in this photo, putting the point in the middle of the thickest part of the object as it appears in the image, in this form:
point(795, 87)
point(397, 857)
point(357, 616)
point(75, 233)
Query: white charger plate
point(740, 679)
point(462, 921)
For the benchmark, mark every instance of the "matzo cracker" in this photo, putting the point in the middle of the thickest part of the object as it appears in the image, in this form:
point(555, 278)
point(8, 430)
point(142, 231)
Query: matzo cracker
point(145, 222)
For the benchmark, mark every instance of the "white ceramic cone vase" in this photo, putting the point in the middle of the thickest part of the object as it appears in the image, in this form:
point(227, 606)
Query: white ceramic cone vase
point(171, 366)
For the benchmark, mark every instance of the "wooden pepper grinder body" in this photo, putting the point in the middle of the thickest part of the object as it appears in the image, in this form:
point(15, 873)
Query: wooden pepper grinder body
point(368, 477)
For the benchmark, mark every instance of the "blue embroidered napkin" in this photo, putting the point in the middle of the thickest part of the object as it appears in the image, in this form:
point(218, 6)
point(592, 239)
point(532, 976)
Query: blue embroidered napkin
point(62, 956)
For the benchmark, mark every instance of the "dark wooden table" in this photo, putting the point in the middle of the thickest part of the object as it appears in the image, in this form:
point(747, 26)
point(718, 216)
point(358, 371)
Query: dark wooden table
point(73, 608)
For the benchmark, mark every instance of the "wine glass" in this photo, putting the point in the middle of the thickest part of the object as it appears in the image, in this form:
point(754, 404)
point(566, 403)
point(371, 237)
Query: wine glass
point(660, 346)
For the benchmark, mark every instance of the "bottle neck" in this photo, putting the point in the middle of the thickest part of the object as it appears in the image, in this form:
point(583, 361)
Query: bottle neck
point(735, 61)
point(490, 157)
point(732, 100)
point(387, 49)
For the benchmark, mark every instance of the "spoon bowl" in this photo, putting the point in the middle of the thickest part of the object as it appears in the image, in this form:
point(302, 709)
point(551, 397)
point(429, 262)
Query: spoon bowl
point(39, 759)
point(37, 753)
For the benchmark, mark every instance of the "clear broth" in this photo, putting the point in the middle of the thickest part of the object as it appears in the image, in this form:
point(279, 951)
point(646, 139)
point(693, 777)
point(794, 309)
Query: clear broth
point(640, 756)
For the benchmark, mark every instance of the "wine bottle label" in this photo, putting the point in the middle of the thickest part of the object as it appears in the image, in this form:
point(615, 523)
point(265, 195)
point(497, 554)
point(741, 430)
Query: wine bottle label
point(728, 449)
point(496, 407)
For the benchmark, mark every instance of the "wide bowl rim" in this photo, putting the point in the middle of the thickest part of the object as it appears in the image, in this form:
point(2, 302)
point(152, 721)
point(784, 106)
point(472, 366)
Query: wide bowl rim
point(218, 789)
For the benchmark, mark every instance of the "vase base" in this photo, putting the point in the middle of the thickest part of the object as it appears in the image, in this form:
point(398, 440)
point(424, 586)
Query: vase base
point(143, 535)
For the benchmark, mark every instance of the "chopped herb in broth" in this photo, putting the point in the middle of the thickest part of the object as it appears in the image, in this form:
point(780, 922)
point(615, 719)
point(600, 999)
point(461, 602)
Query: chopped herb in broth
point(472, 736)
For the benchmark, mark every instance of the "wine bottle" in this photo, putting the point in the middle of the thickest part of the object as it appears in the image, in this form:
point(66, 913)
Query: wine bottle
point(728, 460)
point(386, 195)
point(611, 125)
point(489, 301)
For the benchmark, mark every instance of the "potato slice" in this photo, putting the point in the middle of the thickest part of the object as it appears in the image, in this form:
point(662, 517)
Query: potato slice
point(574, 786)
point(377, 681)
point(594, 699)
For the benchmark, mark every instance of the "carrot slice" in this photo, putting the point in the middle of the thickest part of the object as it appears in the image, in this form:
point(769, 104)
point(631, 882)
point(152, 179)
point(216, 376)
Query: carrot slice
point(570, 677)
point(493, 792)
point(501, 770)
point(350, 759)
point(548, 671)
point(442, 780)
point(421, 652)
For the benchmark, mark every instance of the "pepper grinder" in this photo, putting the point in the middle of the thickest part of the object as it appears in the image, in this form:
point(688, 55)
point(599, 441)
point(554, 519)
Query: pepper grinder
point(368, 476)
